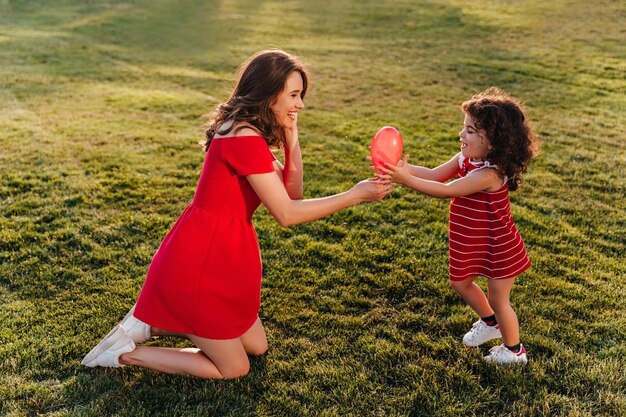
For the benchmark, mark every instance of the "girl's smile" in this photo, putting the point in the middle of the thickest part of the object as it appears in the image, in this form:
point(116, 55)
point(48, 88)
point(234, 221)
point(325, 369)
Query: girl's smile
point(474, 143)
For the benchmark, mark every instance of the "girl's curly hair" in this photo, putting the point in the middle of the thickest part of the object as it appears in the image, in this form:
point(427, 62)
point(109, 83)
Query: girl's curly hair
point(513, 142)
point(262, 78)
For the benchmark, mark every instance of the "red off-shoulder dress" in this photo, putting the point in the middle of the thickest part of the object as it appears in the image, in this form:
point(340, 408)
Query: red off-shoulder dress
point(205, 278)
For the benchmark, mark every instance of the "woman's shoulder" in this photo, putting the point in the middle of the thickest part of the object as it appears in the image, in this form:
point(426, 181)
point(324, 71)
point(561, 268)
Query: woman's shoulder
point(236, 130)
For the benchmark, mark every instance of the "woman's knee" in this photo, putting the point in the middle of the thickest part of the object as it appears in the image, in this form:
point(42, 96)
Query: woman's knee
point(236, 369)
point(233, 370)
point(258, 348)
point(254, 341)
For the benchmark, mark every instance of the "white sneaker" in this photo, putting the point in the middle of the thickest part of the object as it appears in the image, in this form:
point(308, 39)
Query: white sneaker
point(481, 332)
point(107, 341)
point(110, 358)
point(503, 356)
point(135, 328)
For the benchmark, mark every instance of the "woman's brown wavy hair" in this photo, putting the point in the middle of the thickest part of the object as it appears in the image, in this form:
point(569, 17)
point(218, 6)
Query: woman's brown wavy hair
point(502, 121)
point(262, 78)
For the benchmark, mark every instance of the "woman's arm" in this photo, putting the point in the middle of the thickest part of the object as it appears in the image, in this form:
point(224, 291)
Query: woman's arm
point(288, 212)
point(291, 174)
point(293, 170)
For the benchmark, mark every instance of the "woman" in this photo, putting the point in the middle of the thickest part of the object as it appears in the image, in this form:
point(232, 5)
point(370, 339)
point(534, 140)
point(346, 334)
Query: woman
point(204, 281)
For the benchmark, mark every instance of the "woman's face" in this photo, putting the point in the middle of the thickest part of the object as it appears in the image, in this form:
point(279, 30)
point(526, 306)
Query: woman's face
point(289, 101)
point(474, 143)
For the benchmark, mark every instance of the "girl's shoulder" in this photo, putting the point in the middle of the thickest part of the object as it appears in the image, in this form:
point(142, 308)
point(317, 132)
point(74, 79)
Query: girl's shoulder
point(460, 159)
point(476, 166)
point(492, 175)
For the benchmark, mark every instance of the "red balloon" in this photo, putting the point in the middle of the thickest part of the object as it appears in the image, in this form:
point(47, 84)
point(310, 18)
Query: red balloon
point(386, 147)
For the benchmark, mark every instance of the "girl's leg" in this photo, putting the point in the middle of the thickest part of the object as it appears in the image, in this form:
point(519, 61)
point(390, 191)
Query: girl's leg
point(499, 291)
point(473, 296)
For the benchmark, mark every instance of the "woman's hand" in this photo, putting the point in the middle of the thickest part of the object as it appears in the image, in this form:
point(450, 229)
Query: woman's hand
point(291, 132)
point(372, 190)
point(399, 173)
point(293, 170)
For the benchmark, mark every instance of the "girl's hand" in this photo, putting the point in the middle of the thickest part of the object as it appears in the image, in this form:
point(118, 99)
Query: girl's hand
point(382, 179)
point(378, 177)
point(399, 173)
point(372, 190)
point(369, 158)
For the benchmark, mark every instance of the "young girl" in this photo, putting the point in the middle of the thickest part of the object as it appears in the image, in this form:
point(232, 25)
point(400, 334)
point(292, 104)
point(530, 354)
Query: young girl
point(496, 146)
point(204, 282)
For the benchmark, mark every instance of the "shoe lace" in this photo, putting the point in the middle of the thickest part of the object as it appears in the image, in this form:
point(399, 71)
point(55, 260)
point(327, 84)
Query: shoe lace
point(496, 350)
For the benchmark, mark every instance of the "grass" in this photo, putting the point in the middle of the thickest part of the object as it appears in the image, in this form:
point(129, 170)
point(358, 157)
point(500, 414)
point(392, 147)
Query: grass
point(100, 112)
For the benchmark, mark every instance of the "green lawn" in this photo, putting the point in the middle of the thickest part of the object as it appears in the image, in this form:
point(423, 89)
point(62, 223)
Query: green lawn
point(100, 113)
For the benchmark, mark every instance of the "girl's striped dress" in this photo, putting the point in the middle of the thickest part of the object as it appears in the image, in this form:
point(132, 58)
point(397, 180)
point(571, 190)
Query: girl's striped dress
point(483, 239)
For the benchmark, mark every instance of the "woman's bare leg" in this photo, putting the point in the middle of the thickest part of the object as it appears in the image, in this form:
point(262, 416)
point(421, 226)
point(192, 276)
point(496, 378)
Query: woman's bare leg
point(254, 339)
point(157, 331)
point(189, 361)
point(215, 359)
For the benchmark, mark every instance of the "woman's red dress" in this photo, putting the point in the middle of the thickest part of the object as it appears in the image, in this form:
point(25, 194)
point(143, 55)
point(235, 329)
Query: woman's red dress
point(205, 279)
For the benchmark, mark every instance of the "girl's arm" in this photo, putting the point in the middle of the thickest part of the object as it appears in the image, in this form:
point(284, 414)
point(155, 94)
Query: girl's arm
point(485, 179)
point(288, 212)
point(441, 173)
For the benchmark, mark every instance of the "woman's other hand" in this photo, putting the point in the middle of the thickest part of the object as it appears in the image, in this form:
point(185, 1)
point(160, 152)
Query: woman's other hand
point(372, 190)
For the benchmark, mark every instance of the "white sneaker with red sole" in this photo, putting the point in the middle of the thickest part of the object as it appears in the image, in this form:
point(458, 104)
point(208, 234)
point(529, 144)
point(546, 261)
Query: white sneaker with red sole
point(481, 332)
point(502, 355)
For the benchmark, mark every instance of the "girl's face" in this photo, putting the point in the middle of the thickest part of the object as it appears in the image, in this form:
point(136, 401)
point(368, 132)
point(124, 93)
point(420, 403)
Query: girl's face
point(474, 143)
point(289, 102)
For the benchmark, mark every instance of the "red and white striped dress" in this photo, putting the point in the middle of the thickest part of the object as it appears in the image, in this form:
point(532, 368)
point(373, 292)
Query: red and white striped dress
point(483, 238)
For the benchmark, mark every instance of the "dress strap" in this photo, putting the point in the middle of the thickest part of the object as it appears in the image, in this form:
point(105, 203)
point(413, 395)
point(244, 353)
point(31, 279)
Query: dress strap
point(486, 164)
